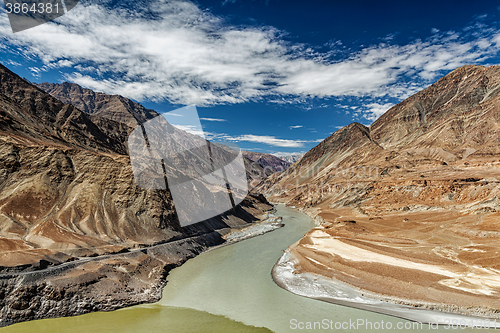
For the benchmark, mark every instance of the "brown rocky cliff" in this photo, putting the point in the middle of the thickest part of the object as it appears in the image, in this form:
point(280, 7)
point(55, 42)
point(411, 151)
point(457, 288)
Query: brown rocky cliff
point(114, 107)
point(67, 193)
point(29, 112)
point(349, 146)
point(459, 110)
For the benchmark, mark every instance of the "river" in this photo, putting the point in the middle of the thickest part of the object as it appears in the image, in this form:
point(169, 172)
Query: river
point(230, 289)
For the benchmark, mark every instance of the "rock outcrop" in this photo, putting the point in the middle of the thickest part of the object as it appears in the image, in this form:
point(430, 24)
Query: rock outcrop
point(269, 163)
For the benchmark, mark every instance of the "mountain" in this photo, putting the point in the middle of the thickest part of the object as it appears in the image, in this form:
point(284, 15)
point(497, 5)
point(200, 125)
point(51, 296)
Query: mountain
point(125, 111)
point(420, 187)
point(457, 112)
point(30, 113)
point(290, 158)
point(114, 107)
point(456, 118)
point(77, 233)
point(269, 162)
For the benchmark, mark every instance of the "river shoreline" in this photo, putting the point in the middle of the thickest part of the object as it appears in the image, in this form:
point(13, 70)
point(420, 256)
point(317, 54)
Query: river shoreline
point(231, 282)
point(110, 282)
point(270, 223)
point(333, 291)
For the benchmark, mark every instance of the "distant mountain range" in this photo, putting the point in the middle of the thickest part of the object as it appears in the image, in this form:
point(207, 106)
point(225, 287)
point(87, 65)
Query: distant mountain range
point(269, 162)
point(126, 111)
point(291, 158)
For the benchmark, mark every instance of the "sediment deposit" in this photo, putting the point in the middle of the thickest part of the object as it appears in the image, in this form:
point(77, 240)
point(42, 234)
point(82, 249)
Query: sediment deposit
point(408, 208)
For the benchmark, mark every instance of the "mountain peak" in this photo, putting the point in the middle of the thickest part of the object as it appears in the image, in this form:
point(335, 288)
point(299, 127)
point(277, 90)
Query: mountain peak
point(27, 111)
point(114, 107)
point(457, 95)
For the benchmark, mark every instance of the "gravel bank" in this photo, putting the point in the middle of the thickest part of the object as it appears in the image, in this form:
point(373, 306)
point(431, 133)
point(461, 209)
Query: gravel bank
point(334, 291)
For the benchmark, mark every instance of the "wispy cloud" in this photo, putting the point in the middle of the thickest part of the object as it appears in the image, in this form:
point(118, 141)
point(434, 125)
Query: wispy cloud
point(269, 140)
point(296, 126)
point(372, 111)
point(282, 153)
point(179, 52)
point(265, 139)
point(13, 63)
point(213, 119)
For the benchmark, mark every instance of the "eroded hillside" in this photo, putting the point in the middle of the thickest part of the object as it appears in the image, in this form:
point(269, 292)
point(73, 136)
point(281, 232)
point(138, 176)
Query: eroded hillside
point(77, 233)
point(408, 208)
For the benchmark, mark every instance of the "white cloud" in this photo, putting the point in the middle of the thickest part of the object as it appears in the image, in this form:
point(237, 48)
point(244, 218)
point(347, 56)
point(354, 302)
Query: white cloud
point(13, 63)
point(265, 139)
point(193, 129)
point(177, 51)
point(213, 119)
point(296, 126)
point(375, 110)
point(269, 140)
point(284, 154)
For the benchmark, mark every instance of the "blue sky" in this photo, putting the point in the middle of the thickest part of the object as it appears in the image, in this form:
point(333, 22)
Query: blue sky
point(272, 76)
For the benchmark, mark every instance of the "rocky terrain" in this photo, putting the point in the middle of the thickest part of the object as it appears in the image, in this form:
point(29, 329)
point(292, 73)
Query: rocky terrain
point(270, 163)
point(408, 208)
point(113, 107)
point(76, 232)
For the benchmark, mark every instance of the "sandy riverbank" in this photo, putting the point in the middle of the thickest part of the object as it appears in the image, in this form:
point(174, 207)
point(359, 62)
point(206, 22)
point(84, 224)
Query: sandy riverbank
point(334, 291)
point(114, 281)
point(421, 257)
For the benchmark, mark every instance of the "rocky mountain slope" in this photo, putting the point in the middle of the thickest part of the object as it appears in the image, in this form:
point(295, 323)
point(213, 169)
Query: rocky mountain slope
point(416, 193)
point(114, 107)
point(35, 116)
point(67, 194)
point(269, 162)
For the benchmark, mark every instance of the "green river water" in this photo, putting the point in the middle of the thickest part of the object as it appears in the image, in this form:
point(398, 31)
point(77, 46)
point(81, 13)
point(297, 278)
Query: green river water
point(229, 289)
